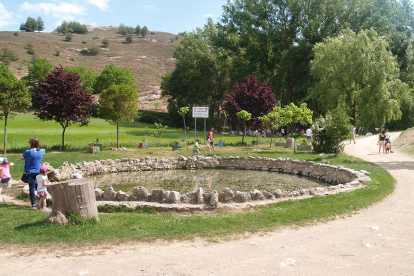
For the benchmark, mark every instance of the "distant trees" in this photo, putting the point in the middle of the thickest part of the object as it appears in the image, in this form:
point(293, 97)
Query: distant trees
point(137, 30)
point(144, 31)
point(72, 27)
point(60, 98)
point(125, 30)
point(32, 25)
point(87, 77)
point(40, 68)
point(14, 97)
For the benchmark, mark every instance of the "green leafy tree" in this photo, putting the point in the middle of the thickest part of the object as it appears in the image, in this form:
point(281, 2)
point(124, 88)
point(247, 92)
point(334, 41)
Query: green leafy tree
point(129, 38)
point(40, 24)
point(40, 68)
point(8, 55)
point(274, 120)
point(87, 77)
point(14, 97)
point(144, 31)
point(297, 115)
point(244, 116)
point(183, 111)
point(360, 69)
point(138, 30)
point(112, 75)
point(119, 103)
point(31, 25)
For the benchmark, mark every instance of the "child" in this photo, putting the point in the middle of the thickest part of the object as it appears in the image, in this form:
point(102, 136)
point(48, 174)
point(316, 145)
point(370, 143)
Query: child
point(5, 172)
point(196, 148)
point(208, 144)
point(42, 182)
point(387, 146)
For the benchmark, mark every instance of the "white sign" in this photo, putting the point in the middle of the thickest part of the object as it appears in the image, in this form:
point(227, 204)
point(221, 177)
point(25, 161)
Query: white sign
point(200, 112)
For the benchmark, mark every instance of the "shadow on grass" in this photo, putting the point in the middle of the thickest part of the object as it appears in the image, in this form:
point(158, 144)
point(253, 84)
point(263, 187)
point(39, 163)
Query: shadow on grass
point(28, 226)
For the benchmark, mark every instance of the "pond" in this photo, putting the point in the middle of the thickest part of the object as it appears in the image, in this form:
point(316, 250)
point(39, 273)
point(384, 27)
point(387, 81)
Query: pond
point(184, 181)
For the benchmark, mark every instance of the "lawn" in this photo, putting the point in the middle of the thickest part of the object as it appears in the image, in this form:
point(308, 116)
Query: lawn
point(19, 225)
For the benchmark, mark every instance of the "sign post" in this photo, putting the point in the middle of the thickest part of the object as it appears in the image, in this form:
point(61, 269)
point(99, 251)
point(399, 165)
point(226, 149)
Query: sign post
point(199, 112)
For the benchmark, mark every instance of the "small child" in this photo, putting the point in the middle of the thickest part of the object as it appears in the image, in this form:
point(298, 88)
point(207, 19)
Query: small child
point(5, 172)
point(42, 182)
point(208, 144)
point(196, 148)
point(387, 146)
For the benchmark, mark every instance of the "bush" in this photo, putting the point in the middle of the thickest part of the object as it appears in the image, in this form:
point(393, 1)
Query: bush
point(129, 38)
point(31, 51)
point(16, 34)
point(68, 37)
point(146, 116)
point(95, 37)
point(57, 53)
point(84, 51)
point(84, 42)
point(105, 42)
point(321, 142)
point(7, 56)
point(94, 50)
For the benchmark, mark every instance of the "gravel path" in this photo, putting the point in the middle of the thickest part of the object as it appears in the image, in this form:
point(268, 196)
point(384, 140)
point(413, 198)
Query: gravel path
point(375, 241)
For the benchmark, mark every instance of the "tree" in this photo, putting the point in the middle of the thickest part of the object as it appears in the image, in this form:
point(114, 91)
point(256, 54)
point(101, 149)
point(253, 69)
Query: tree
point(40, 68)
point(274, 120)
point(244, 116)
point(87, 77)
point(119, 103)
point(252, 96)
point(31, 25)
point(112, 75)
point(138, 30)
point(68, 37)
point(14, 97)
point(7, 56)
point(297, 115)
point(360, 69)
point(129, 38)
point(183, 111)
point(144, 31)
point(40, 24)
point(60, 98)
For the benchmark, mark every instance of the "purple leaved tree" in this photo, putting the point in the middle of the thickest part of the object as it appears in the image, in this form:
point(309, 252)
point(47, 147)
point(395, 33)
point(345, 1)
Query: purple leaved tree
point(60, 98)
point(252, 96)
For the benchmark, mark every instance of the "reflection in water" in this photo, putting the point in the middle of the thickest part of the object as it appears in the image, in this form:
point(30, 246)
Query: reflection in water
point(185, 181)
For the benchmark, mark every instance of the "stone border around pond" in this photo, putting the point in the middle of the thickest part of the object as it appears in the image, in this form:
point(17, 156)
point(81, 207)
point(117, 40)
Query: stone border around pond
point(341, 179)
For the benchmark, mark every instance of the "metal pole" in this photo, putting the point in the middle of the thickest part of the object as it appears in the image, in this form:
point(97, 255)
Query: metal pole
point(204, 130)
point(195, 129)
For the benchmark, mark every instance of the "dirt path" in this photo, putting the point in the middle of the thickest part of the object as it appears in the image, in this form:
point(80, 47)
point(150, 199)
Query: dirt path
point(376, 241)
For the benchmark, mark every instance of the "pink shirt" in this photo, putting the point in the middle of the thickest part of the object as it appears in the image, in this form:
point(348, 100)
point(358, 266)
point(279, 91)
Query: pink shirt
point(5, 171)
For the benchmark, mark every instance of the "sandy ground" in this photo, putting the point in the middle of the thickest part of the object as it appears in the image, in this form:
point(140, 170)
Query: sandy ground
point(375, 241)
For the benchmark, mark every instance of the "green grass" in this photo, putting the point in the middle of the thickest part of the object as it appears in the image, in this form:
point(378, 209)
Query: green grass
point(19, 225)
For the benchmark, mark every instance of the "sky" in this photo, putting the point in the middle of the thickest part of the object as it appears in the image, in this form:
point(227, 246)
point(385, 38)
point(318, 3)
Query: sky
point(171, 16)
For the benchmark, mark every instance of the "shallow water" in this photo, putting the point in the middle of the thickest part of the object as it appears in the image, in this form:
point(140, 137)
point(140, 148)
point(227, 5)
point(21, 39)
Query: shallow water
point(185, 181)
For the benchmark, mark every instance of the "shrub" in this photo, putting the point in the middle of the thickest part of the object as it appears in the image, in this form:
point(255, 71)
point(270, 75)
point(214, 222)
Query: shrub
point(31, 51)
point(129, 38)
point(16, 34)
point(95, 37)
point(321, 142)
point(105, 42)
point(84, 42)
point(7, 56)
point(68, 37)
point(57, 53)
point(152, 33)
point(84, 51)
point(94, 50)
point(29, 46)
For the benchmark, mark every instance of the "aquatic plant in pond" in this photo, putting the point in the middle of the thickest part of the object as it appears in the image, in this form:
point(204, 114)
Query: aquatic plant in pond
point(184, 181)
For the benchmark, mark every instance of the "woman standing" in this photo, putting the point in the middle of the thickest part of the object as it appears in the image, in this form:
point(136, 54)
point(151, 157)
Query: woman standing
point(33, 160)
point(381, 142)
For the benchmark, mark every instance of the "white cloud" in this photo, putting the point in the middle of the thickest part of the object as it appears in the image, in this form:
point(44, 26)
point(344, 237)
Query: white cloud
point(149, 7)
point(208, 15)
point(62, 11)
point(5, 16)
point(102, 4)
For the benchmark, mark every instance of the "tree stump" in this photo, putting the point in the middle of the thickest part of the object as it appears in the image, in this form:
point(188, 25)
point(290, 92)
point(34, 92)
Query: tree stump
point(74, 195)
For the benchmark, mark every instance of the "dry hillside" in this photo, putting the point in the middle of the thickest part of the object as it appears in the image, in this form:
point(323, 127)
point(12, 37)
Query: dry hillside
point(405, 142)
point(149, 58)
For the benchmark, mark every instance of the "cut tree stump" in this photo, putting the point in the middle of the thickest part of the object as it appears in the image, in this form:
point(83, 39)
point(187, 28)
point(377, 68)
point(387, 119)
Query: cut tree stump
point(74, 195)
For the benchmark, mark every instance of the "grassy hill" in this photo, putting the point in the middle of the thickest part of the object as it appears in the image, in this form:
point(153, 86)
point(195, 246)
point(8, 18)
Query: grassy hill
point(149, 58)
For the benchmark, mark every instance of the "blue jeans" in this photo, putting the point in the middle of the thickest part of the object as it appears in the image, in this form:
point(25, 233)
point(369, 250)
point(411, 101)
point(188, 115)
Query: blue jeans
point(33, 188)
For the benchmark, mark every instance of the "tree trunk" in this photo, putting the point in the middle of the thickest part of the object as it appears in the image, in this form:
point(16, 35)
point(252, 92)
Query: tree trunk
point(117, 134)
point(5, 133)
point(63, 138)
point(76, 196)
point(185, 129)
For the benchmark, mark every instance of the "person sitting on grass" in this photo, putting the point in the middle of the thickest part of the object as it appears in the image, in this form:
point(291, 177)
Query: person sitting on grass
point(42, 182)
point(5, 172)
point(196, 148)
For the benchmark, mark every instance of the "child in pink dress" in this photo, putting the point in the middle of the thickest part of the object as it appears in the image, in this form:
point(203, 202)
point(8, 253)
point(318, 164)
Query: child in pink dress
point(42, 182)
point(5, 172)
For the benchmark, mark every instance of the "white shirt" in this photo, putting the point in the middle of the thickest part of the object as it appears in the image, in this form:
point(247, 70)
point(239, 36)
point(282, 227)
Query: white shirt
point(309, 132)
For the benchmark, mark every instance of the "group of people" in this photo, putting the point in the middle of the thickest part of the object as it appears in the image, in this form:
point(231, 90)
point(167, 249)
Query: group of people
point(384, 142)
point(210, 143)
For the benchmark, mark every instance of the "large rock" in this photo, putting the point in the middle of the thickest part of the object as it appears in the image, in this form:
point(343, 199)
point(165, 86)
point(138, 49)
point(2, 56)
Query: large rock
point(256, 195)
point(140, 193)
point(157, 195)
point(171, 197)
point(214, 199)
point(226, 195)
point(122, 196)
point(199, 195)
point(242, 197)
point(109, 194)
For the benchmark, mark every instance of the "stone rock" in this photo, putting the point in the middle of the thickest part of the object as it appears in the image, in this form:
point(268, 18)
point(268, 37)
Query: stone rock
point(242, 197)
point(171, 197)
point(199, 195)
point(189, 198)
point(58, 219)
point(214, 199)
point(256, 195)
point(122, 196)
point(157, 195)
point(98, 193)
point(268, 195)
point(226, 195)
point(278, 193)
point(109, 194)
point(140, 193)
